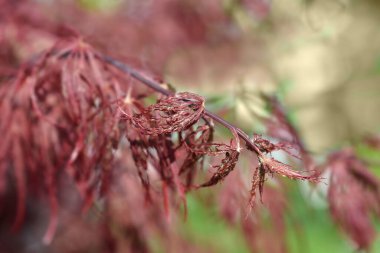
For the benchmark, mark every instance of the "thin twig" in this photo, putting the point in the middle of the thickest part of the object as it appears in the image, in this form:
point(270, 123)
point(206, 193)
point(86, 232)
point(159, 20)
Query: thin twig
point(157, 87)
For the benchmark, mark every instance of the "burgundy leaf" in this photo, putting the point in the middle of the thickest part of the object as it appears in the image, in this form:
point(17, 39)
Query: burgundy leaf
point(172, 114)
point(353, 197)
point(229, 161)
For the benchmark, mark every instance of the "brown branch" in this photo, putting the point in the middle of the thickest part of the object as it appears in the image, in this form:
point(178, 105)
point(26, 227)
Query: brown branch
point(157, 87)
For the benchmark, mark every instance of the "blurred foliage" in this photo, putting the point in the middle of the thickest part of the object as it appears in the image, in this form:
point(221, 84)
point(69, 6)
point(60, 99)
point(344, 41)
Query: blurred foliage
point(309, 229)
point(205, 226)
point(100, 5)
point(322, 58)
point(371, 156)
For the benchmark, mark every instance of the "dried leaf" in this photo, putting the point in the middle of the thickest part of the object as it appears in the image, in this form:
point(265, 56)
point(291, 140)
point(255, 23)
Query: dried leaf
point(171, 114)
point(227, 164)
point(266, 146)
point(272, 166)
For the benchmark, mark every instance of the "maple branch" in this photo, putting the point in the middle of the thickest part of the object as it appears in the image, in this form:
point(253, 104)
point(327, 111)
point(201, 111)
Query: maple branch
point(157, 87)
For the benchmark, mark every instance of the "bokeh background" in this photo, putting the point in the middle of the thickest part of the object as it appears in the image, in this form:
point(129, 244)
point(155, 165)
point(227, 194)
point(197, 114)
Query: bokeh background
point(320, 57)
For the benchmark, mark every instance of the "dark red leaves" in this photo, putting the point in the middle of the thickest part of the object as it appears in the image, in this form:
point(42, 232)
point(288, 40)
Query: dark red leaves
point(138, 145)
point(280, 127)
point(268, 222)
point(61, 122)
point(195, 142)
point(63, 133)
point(264, 223)
point(228, 163)
point(266, 146)
point(272, 166)
point(353, 195)
point(171, 114)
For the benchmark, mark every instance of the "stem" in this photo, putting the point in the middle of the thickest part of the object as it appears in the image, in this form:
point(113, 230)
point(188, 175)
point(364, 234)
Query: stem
point(137, 75)
point(157, 87)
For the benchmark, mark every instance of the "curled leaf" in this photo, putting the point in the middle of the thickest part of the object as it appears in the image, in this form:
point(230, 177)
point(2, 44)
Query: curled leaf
point(171, 114)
